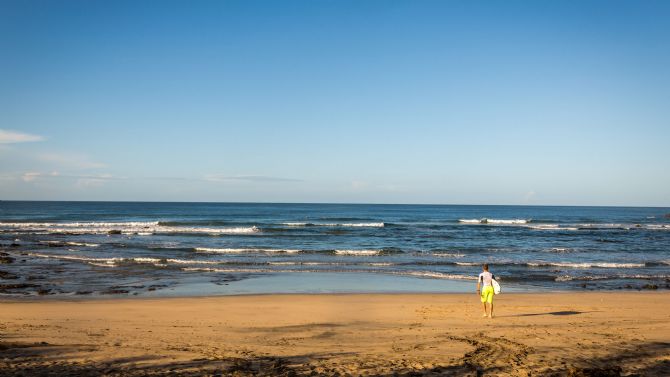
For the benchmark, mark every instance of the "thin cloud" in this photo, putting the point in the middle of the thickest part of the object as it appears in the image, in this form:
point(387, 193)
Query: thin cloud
point(82, 181)
point(30, 176)
point(13, 137)
point(248, 178)
point(33, 176)
point(75, 161)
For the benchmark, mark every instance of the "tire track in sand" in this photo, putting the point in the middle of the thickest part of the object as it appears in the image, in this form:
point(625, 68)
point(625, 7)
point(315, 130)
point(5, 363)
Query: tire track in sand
point(495, 356)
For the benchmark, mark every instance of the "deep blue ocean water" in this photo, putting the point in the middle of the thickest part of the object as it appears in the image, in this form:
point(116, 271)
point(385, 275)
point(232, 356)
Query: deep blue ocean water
point(222, 248)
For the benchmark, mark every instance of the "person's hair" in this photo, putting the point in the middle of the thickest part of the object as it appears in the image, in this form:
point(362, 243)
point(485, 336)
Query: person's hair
point(486, 266)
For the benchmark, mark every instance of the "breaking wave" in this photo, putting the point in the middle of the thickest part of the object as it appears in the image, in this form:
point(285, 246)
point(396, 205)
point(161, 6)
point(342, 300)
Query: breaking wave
point(117, 261)
point(69, 243)
point(133, 227)
point(420, 274)
point(494, 221)
point(448, 255)
point(358, 252)
point(243, 250)
point(611, 277)
point(586, 265)
point(345, 225)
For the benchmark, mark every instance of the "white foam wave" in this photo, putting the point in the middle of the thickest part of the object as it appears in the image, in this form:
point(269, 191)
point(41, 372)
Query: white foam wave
point(86, 244)
point(420, 274)
point(494, 221)
point(178, 229)
point(229, 270)
point(608, 226)
point(244, 250)
point(544, 226)
point(143, 260)
point(552, 227)
point(504, 221)
point(80, 224)
point(70, 243)
point(287, 263)
point(352, 225)
point(470, 221)
point(101, 264)
point(358, 252)
point(112, 262)
point(434, 275)
point(468, 263)
point(658, 226)
point(106, 261)
point(570, 278)
point(133, 227)
point(585, 264)
point(448, 255)
point(611, 277)
point(364, 225)
point(599, 226)
point(191, 261)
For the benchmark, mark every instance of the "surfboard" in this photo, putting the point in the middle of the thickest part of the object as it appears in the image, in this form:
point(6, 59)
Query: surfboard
point(496, 286)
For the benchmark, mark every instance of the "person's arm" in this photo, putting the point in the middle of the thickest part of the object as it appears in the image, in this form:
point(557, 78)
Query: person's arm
point(479, 279)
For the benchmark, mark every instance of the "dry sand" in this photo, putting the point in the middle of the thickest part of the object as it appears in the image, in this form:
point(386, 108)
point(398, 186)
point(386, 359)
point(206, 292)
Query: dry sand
point(360, 334)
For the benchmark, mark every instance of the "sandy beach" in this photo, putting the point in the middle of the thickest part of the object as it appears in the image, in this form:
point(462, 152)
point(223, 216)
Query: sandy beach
point(357, 334)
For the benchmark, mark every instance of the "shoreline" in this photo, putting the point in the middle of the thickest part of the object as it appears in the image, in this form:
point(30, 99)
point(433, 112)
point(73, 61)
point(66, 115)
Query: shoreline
point(10, 299)
point(340, 334)
point(19, 285)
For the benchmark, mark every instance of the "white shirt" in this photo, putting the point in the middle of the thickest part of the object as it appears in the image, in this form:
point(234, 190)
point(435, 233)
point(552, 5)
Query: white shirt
point(486, 278)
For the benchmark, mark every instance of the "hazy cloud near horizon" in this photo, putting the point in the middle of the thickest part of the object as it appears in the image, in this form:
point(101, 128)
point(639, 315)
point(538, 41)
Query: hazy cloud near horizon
point(13, 137)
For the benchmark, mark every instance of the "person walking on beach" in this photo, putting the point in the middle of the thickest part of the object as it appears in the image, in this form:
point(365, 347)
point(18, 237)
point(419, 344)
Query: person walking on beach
point(485, 289)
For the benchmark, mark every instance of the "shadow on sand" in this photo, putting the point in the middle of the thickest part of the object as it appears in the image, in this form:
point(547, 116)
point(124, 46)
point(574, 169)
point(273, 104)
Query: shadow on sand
point(558, 313)
point(490, 356)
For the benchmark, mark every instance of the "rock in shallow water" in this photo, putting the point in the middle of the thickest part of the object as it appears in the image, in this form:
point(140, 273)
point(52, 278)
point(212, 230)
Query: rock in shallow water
point(7, 275)
point(10, 288)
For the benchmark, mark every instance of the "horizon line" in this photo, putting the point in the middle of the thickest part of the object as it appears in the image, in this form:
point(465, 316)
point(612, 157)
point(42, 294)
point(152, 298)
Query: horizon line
point(336, 203)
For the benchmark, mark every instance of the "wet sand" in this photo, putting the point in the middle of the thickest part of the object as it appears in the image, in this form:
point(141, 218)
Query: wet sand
point(559, 334)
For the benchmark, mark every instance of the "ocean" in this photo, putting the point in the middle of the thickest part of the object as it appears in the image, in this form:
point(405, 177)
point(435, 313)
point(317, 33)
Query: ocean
point(153, 249)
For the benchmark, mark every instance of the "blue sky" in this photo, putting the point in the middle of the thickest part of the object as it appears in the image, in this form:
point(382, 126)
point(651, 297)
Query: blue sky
point(490, 102)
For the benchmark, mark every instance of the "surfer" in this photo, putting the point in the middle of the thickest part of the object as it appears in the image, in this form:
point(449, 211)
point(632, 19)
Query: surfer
point(485, 289)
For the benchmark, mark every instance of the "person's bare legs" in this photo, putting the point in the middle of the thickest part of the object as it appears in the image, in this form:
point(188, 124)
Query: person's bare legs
point(484, 307)
point(491, 305)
